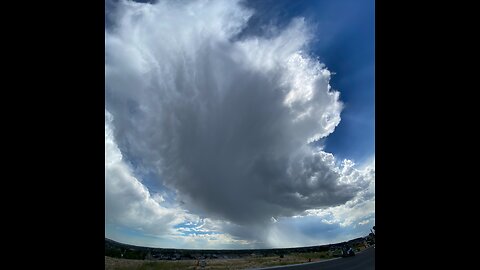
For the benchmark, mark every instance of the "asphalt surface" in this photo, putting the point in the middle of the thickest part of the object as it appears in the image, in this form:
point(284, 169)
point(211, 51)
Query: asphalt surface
point(361, 261)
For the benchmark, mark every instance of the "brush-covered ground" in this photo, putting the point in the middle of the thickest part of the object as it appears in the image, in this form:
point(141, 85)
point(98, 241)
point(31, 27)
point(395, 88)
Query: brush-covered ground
point(243, 263)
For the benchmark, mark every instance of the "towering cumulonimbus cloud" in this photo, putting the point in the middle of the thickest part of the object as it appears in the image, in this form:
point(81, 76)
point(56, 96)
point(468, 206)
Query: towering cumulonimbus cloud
point(226, 122)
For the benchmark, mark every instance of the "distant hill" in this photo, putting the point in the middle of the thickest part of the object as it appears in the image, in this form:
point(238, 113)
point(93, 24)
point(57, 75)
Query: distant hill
point(119, 250)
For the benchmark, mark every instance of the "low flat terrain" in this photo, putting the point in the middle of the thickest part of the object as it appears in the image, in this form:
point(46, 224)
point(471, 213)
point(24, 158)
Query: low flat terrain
point(363, 260)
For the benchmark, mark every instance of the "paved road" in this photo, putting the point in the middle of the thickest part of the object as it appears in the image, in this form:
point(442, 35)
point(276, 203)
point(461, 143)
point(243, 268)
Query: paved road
point(361, 261)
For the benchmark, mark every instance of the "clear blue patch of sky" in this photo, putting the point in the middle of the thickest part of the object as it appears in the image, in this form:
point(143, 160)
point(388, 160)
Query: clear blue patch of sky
point(185, 225)
point(193, 229)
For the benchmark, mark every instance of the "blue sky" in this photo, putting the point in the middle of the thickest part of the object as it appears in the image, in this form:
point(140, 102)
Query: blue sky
point(191, 170)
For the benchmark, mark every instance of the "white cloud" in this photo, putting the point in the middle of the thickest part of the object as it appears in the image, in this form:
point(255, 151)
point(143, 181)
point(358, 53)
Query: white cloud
point(224, 122)
point(129, 204)
point(361, 206)
point(158, 198)
point(322, 225)
point(127, 201)
point(363, 222)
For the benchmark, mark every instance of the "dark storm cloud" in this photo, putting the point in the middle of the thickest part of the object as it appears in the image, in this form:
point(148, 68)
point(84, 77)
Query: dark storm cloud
point(224, 122)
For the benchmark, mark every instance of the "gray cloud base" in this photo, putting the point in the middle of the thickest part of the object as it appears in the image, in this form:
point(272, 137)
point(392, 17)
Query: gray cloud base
point(225, 123)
